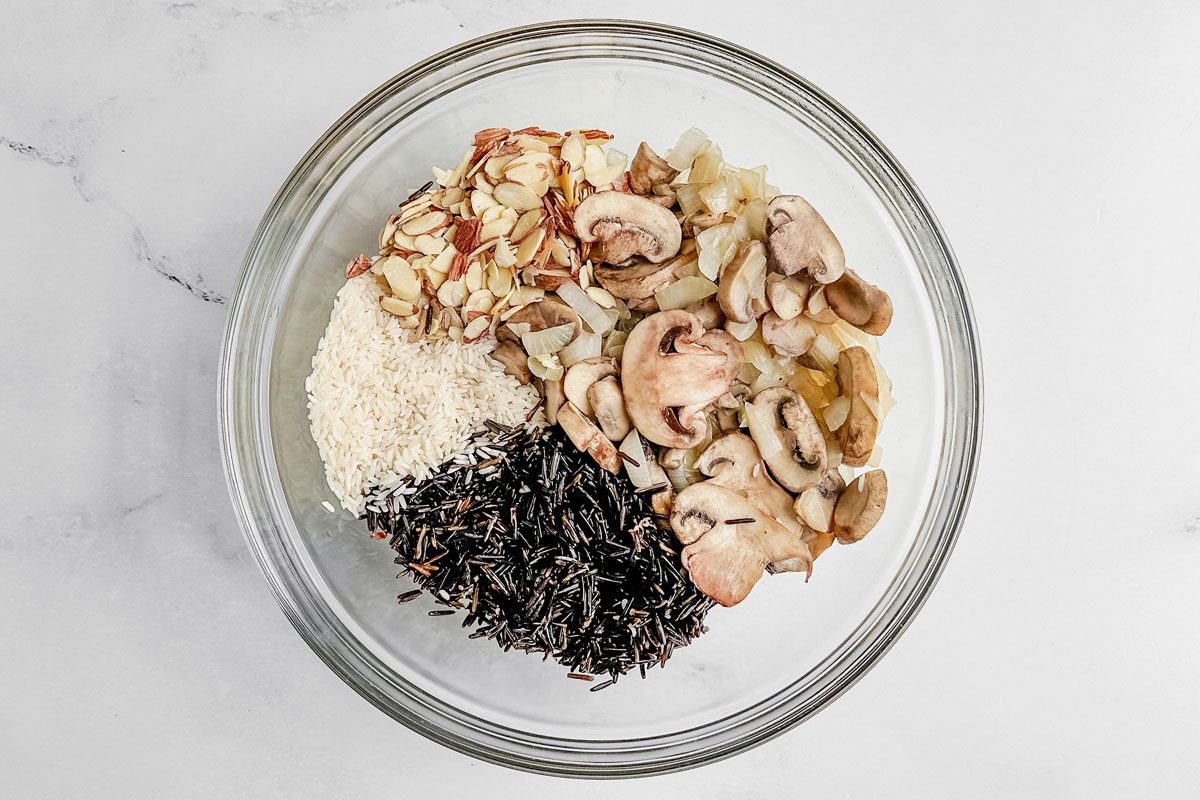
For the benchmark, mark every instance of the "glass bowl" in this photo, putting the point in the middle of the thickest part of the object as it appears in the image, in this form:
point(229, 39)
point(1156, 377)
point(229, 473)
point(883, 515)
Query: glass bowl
point(766, 665)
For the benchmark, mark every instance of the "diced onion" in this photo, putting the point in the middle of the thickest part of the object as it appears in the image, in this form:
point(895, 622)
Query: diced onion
point(717, 245)
point(639, 473)
point(836, 413)
point(586, 345)
point(761, 422)
point(615, 344)
point(550, 340)
point(757, 354)
point(741, 330)
point(690, 144)
point(872, 404)
point(824, 351)
point(689, 199)
point(876, 457)
point(706, 168)
point(593, 315)
point(717, 197)
point(545, 366)
point(684, 292)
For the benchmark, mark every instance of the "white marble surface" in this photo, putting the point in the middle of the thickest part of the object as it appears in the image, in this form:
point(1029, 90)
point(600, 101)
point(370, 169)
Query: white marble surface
point(140, 652)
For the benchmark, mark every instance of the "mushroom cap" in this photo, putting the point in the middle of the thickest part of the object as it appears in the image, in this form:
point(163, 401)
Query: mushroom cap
point(790, 337)
point(584, 434)
point(801, 240)
point(856, 379)
point(512, 356)
point(648, 169)
point(863, 305)
point(788, 437)
point(742, 291)
point(637, 280)
point(608, 407)
point(733, 462)
point(626, 225)
point(553, 392)
point(860, 506)
point(669, 378)
point(722, 342)
point(724, 555)
point(581, 375)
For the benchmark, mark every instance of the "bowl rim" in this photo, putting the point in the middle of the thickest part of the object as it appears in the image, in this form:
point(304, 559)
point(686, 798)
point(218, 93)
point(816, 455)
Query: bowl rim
point(243, 391)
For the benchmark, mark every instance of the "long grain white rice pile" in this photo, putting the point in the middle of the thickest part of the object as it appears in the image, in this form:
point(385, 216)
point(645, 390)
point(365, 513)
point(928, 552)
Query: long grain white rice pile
point(382, 408)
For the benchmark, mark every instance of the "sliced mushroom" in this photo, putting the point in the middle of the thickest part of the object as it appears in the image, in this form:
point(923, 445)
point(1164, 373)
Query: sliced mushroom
point(863, 305)
point(787, 295)
point(638, 280)
point(582, 375)
point(860, 507)
point(801, 240)
point(669, 378)
point(722, 342)
point(584, 434)
point(513, 358)
point(608, 407)
point(547, 313)
point(708, 311)
point(553, 392)
point(788, 437)
point(648, 169)
point(733, 462)
point(730, 541)
point(790, 337)
point(628, 225)
point(814, 506)
point(743, 287)
point(859, 384)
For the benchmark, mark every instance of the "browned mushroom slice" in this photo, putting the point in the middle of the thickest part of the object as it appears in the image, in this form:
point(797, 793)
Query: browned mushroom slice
point(862, 304)
point(788, 437)
point(859, 384)
point(547, 313)
point(801, 240)
point(635, 281)
point(730, 542)
point(627, 225)
point(860, 507)
point(553, 392)
point(648, 169)
point(513, 358)
point(743, 286)
point(669, 378)
point(733, 462)
point(588, 438)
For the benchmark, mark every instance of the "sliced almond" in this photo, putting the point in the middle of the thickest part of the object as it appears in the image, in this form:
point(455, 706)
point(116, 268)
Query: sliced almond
point(481, 202)
point(504, 256)
point(474, 277)
point(425, 223)
point(400, 308)
point(529, 246)
point(402, 278)
point(444, 260)
point(525, 224)
point(452, 293)
point(494, 168)
point(476, 329)
point(429, 244)
point(500, 280)
point(518, 197)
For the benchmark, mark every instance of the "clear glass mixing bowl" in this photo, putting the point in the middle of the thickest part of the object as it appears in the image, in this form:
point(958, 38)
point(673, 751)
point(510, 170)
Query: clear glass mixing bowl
point(767, 664)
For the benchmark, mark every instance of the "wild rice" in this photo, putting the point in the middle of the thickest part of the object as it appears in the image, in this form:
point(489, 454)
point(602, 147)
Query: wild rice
point(548, 553)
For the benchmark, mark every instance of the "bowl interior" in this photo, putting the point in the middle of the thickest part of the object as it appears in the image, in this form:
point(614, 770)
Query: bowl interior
point(788, 632)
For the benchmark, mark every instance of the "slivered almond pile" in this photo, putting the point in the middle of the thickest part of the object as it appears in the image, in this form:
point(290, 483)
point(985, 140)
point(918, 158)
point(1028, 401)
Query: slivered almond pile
point(491, 234)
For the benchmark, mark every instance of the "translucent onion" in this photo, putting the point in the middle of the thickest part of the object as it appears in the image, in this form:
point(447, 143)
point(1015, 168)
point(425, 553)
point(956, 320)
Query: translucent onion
point(550, 340)
point(706, 167)
point(545, 366)
point(639, 474)
point(690, 144)
point(757, 354)
point(615, 344)
point(684, 292)
point(689, 199)
point(824, 351)
point(717, 246)
point(593, 315)
point(836, 413)
point(761, 422)
point(741, 330)
point(717, 197)
point(586, 345)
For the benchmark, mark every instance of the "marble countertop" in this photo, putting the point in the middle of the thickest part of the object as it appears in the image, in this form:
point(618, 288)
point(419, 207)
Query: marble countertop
point(141, 654)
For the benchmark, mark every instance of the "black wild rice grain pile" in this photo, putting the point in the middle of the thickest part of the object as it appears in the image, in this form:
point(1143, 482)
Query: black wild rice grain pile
point(545, 552)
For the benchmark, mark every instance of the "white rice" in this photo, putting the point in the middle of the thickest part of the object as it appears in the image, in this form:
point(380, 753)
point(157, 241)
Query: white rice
point(382, 408)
